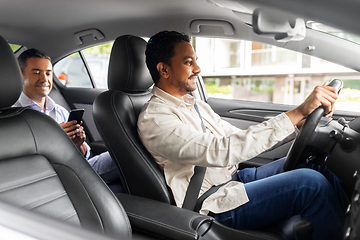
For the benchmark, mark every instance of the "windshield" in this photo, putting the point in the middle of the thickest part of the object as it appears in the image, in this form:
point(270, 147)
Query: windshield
point(333, 31)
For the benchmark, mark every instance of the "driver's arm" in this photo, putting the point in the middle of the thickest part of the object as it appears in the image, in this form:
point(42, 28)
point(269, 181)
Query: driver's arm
point(321, 96)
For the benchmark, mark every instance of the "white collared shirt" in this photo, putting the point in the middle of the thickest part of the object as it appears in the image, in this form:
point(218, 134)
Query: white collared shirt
point(171, 130)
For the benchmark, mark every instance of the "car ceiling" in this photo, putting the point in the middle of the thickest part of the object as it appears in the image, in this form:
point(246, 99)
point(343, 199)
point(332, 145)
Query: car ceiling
point(51, 24)
point(54, 21)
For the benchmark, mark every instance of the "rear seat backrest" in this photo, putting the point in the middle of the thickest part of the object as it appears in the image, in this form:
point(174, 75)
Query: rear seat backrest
point(56, 95)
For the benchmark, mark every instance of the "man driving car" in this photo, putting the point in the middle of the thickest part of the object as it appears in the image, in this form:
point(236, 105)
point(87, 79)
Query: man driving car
point(181, 132)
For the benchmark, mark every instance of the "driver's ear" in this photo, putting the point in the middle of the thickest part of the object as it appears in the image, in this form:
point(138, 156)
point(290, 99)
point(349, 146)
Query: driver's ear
point(163, 69)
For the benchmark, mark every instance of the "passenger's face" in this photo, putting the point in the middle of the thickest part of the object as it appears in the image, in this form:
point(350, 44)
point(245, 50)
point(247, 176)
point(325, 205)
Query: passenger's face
point(37, 78)
point(184, 68)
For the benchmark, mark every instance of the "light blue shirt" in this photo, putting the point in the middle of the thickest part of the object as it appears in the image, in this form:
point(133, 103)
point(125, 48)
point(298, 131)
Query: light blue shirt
point(52, 109)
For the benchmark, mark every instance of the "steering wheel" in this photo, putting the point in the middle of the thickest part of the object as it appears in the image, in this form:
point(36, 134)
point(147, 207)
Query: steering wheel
point(294, 156)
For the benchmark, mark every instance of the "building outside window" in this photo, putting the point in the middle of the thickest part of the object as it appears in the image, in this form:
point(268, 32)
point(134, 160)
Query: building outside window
point(244, 70)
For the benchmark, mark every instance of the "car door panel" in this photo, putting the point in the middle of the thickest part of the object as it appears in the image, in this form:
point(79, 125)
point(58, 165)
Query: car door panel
point(243, 113)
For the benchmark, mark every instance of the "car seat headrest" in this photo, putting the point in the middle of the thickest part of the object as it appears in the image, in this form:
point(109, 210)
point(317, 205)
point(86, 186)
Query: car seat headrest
point(10, 76)
point(127, 67)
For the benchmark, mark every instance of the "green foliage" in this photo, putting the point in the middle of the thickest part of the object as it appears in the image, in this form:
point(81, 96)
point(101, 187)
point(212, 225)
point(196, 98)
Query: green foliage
point(267, 89)
point(213, 88)
point(100, 49)
point(351, 83)
point(15, 47)
point(349, 95)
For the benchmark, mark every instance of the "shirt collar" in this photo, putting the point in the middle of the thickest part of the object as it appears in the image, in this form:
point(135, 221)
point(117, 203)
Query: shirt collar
point(187, 99)
point(25, 101)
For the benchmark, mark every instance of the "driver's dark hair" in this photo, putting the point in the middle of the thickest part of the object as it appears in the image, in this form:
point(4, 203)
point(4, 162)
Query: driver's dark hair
point(160, 48)
point(30, 53)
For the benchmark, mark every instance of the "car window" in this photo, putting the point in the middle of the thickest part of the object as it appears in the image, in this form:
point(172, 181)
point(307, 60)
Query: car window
point(97, 58)
point(245, 70)
point(86, 69)
point(72, 72)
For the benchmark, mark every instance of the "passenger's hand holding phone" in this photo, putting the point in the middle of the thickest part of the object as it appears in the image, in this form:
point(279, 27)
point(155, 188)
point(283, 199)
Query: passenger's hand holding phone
point(76, 114)
point(74, 129)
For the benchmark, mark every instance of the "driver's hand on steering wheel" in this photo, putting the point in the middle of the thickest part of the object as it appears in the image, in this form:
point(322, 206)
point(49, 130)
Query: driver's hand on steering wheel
point(321, 96)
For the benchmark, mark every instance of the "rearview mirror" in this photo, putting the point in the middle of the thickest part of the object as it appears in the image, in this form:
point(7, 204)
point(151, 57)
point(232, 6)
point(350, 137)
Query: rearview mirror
point(281, 26)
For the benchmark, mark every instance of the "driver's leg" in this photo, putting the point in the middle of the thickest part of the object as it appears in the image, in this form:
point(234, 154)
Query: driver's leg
point(279, 197)
point(332, 179)
point(276, 167)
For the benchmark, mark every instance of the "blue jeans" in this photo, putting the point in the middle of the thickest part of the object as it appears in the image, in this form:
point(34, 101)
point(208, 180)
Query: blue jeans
point(275, 196)
point(104, 165)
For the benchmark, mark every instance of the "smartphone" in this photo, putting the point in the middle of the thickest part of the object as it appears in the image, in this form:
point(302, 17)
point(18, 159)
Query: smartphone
point(76, 114)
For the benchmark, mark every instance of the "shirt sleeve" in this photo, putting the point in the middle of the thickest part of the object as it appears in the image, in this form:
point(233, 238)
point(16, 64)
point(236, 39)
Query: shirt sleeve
point(87, 155)
point(62, 114)
point(168, 137)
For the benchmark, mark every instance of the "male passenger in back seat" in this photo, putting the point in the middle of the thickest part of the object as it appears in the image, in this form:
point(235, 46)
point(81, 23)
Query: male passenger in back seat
point(37, 72)
point(171, 129)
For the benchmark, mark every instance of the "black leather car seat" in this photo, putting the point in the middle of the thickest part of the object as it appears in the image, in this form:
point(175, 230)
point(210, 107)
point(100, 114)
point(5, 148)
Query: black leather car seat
point(116, 112)
point(42, 171)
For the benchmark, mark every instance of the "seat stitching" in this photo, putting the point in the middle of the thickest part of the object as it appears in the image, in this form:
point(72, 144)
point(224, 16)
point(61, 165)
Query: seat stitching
point(160, 224)
point(71, 214)
point(28, 183)
point(44, 201)
point(52, 199)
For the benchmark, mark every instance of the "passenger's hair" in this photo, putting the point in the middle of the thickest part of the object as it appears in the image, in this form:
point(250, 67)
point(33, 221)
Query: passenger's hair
point(160, 48)
point(30, 53)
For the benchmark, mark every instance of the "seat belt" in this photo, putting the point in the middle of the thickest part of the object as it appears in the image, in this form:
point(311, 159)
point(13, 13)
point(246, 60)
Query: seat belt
point(196, 180)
